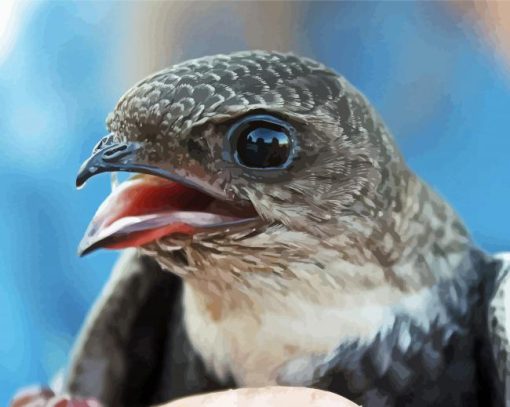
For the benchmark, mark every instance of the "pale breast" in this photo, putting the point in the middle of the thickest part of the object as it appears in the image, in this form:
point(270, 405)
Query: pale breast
point(254, 346)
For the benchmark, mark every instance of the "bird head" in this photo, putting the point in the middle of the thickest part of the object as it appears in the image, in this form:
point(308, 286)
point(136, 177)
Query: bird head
point(230, 148)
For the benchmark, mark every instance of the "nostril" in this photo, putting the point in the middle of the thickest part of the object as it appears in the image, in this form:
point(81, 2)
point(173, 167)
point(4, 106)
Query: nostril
point(103, 143)
point(115, 152)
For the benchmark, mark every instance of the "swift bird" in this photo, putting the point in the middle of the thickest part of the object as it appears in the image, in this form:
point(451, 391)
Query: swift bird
point(281, 239)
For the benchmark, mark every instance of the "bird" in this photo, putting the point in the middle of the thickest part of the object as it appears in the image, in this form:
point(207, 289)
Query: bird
point(273, 234)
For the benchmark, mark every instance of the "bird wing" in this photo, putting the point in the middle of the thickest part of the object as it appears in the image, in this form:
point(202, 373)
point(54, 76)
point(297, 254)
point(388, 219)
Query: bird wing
point(124, 332)
point(133, 349)
point(499, 325)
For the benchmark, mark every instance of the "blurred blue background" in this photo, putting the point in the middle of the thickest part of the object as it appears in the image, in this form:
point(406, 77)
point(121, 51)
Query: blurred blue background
point(443, 92)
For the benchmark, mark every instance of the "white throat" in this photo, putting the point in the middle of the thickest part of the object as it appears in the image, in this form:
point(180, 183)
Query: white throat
point(255, 338)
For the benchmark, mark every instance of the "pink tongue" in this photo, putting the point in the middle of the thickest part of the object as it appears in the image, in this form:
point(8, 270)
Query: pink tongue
point(138, 238)
point(147, 208)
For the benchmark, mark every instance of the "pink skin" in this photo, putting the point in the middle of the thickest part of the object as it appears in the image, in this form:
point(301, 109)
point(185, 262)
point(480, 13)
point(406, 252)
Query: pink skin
point(247, 397)
point(42, 397)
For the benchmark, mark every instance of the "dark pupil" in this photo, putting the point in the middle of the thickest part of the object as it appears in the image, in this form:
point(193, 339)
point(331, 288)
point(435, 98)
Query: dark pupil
point(263, 145)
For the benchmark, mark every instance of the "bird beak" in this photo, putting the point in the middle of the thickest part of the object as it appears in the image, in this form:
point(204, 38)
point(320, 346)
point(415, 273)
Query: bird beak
point(113, 157)
point(153, 204)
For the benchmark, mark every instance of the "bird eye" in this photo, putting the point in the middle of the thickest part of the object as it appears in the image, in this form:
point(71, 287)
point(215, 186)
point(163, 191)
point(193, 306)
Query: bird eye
point(262, 143)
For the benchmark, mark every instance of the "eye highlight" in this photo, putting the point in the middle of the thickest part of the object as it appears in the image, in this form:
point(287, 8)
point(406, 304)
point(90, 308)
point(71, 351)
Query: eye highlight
point(261, 142)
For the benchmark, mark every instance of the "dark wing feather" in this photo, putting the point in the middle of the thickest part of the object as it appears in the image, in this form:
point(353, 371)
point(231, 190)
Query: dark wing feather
point(133, 349)
point(499, 326)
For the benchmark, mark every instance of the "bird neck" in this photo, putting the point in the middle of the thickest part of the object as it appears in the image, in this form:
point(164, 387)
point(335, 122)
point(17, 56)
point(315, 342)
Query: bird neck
point(416, 242)
point(419, 240)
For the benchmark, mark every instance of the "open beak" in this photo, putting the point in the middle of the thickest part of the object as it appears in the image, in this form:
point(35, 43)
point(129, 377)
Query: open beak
point(153, 205)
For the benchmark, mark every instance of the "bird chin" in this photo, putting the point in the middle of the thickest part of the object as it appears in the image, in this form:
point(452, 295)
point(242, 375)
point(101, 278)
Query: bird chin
point(146, 208)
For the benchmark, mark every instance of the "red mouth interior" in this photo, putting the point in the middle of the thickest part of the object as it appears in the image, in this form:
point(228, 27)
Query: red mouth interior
point(146, 208)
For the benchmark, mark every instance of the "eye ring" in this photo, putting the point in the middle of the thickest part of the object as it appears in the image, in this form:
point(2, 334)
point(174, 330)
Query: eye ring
point(262, 142)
